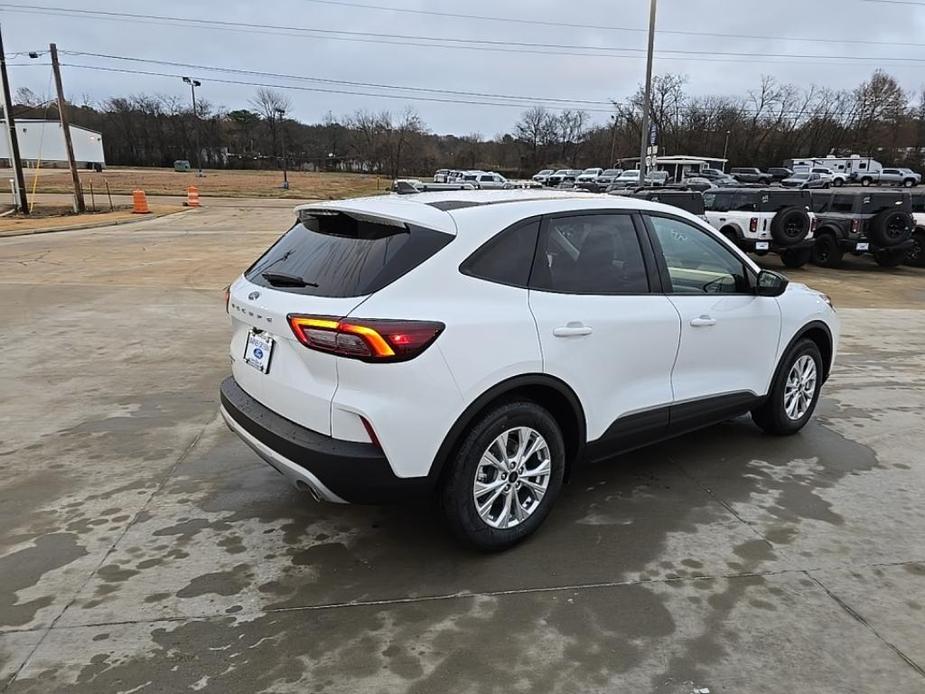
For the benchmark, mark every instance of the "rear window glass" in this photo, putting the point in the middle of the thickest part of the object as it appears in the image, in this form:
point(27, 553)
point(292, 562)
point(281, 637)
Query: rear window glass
point(918, 203)
point(343, 255)
point(777, 200)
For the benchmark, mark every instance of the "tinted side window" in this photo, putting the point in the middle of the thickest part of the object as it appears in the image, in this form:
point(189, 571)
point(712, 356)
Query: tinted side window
point(743, 202)
point(507, 257)
point(590, 254)
point(698, 263)
point(842, 203)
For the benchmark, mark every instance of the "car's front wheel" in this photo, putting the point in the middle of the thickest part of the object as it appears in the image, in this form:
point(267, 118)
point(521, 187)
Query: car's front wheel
point(794, 391)
point(505, 476)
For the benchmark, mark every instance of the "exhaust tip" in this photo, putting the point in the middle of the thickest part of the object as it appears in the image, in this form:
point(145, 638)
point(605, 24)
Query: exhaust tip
point(305, 487)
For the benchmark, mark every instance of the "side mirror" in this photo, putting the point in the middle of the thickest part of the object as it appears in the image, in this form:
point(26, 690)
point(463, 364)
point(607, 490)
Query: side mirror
point(770, 283)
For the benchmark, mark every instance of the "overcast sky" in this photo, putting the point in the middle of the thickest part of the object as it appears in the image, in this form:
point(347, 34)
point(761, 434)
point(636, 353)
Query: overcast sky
point(438, 66)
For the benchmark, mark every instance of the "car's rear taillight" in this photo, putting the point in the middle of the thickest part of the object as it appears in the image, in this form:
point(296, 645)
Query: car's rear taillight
point(812, 224)
point(855, 225)
point(365, 339)
point(227, 291)
point(753, 224)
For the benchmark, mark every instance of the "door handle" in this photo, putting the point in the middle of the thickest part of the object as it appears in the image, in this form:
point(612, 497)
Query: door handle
point(572, 330)
point(703, 322)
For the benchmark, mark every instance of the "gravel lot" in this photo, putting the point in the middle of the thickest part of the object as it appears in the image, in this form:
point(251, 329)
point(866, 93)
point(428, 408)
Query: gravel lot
point(143, 548)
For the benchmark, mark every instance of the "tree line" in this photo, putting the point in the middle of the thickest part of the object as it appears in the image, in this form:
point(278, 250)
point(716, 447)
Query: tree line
point(763, 127)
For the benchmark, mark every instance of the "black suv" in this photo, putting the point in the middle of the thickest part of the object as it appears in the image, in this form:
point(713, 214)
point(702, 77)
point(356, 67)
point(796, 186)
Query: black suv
point(687, 200)
point(878, 223)
point(779, 173)
point(764, 220)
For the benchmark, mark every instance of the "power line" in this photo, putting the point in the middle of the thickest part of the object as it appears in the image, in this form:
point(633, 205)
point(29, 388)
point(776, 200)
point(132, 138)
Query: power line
point(559, 25)
point(320, 89)
point(794, 114)
point(458, 43)
point(306, 78)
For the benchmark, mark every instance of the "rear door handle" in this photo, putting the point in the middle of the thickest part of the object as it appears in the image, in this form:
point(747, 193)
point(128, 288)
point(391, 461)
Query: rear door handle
point(703, 322)
point(572, 330)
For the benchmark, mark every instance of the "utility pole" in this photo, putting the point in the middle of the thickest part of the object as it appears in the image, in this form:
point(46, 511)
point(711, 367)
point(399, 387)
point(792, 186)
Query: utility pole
point(15, 161)
point(647, 99)
point(613, 139)
point(725, 149)
point(192, 85)
point(79, 205)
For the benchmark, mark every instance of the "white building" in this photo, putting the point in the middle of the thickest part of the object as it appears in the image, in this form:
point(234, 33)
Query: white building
point(42, 142)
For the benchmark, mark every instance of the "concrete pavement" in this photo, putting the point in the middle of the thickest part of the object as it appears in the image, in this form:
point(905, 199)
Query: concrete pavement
point(144, 548)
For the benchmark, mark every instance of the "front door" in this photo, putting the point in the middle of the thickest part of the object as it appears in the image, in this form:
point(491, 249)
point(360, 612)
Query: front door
point(729, 336)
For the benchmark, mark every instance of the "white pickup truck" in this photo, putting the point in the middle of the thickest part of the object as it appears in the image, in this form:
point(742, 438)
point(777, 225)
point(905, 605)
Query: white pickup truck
point(907, 178)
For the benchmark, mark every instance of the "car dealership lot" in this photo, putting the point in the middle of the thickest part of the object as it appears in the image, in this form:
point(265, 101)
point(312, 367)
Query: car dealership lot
point(144, 548)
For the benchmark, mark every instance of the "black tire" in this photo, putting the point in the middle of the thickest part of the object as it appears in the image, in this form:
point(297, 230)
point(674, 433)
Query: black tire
point(890, 228)
point(866, 182)
point(826, 185)
point(838, 183)
point(771, 416)
point(796, 257)
point(731, 235)
point(916, 254)
point(456, 493)
point(908, 183)
point(826, 251)
point(790, 226)
point(888, 258)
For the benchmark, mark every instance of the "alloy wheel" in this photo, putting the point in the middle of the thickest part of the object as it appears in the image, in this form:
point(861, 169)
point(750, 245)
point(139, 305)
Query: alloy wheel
point(801, 387)
point(512, 477)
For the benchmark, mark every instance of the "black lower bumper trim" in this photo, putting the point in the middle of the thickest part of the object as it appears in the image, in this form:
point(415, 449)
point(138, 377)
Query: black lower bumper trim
point(356, 472)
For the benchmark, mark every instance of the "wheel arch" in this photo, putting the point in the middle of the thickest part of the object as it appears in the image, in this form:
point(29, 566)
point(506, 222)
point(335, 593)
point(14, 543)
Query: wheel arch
point(545, 390)
point(821, 334)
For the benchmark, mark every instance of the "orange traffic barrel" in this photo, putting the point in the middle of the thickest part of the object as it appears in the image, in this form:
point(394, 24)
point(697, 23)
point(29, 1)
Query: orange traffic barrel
point(140, 202)
point(192, 196)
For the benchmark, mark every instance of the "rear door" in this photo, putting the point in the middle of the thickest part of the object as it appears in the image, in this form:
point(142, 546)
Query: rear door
point(324, 267)
point(602, 329)
point(729, 336)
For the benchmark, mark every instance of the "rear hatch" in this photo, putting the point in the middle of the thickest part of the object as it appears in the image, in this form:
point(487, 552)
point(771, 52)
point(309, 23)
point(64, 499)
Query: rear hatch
point(325, 266)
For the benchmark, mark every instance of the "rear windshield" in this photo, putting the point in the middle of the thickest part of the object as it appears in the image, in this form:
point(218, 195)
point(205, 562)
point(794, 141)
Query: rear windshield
point(341, 255)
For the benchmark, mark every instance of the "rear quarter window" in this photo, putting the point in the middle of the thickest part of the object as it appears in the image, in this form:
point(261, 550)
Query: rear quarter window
point(339, 255)
point(507, 257)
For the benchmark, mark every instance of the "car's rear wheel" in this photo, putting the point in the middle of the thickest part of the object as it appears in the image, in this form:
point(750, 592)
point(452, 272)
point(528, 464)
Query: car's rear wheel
point(794, 391)
point(826, 251)
point(505, 476)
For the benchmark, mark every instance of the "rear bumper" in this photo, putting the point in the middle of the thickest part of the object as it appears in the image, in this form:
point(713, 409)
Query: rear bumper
point(333, 470)
point(773, 247)
point(851, 245)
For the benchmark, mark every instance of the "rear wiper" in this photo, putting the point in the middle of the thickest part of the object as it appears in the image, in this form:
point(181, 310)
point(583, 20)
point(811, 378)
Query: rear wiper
point(281, 279)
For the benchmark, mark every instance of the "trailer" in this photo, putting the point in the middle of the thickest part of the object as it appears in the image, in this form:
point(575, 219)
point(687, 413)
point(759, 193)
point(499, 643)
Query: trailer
point(41, 143)
point(853, 166)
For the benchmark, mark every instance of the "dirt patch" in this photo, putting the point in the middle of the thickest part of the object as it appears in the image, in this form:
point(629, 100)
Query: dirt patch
point(51, 218)
point(236, 184)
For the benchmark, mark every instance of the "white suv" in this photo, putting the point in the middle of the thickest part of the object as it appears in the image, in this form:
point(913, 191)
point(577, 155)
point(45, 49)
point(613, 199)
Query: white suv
point(765, 220)
point(475, 346)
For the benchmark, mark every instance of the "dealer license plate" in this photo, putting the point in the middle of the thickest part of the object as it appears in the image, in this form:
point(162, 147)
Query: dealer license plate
point(258, 351)
point(862, 247)
point(762, 245)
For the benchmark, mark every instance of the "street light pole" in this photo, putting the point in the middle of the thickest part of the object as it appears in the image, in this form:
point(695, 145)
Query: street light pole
point(192, 85)
point(647, 98)
point(613, 139)
point(725, 149)
point(282, 137)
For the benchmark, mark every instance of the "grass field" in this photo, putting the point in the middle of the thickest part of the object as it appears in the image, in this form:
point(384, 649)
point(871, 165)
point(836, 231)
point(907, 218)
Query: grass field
point(216, 183)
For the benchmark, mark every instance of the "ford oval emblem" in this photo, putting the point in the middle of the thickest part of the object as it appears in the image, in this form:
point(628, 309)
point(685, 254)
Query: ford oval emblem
point(253, 296)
